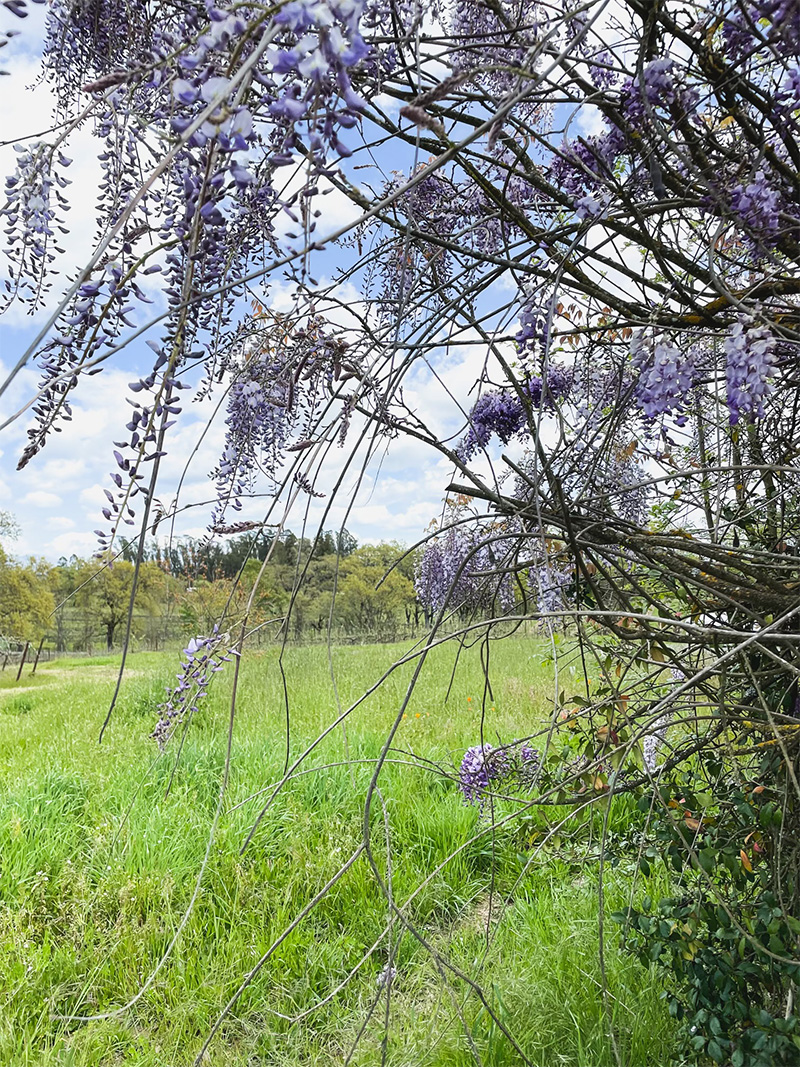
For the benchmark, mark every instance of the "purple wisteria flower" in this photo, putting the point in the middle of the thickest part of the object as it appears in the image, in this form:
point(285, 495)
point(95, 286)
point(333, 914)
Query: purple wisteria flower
point(592, 206)
point(481, 766)
point(501, 413)
point(495, 414)
point(784, 16)
point(33, 215)
point(666, 376)
point(757, 203)
point(282, 378)
point(466, 568)
point(529, 765)
point(533, 333)
point(750, 367)
point(480, 34)
point(484, 764)
point(548, 582)
point(203, 657)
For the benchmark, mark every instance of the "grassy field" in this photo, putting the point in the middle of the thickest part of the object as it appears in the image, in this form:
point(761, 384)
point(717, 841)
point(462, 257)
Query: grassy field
point(98, 865)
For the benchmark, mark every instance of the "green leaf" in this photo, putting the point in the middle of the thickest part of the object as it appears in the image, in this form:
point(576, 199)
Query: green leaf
point(707, 858)
point(715, 1051)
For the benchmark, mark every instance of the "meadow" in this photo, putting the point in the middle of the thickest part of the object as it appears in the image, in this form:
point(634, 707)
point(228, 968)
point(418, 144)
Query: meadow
point(101, 845)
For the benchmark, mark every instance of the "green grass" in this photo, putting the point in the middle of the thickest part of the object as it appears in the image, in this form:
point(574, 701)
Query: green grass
point(98, 866)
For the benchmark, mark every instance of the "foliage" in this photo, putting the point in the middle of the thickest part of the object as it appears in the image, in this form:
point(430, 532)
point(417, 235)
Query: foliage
point(106, 594)
point(373, 592)
point(728, 939)
point(9, 527)
point(25, 602)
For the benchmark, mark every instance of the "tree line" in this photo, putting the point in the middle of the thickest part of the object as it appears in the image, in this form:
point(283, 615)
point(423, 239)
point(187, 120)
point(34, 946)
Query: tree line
point(185, 588)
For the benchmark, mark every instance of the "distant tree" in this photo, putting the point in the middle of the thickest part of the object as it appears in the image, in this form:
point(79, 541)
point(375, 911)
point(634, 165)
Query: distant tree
point(204, 605)
point(345, 543)
point(9, 527)
point(373, 594)
point(26, 603)
point(63, 580)
point(104, 592)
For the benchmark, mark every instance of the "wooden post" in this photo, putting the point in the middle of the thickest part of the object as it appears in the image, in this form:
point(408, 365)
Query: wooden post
point(38, 653)
point(22, 661)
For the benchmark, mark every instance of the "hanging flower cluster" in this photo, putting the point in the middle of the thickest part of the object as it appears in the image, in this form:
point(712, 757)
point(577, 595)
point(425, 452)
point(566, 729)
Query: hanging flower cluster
point(466, 568)
point(33, 212)
point(277, 393)
point(666, 376)
point(501, 413)
point(484, 765)
point(549, 581)
point(750, 366)
point(320, 43)
point(203, 657)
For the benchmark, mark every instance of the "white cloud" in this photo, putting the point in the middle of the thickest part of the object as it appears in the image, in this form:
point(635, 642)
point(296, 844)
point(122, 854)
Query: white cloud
point(91, 496)
point(68, 544)
point(65, 472)
point(39, 498)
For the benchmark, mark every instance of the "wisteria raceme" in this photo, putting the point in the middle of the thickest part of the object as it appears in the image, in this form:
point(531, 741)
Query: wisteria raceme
point(483, 39)
point(257, 425)
point(466, 568)
point(484, 765)
point(530, 759)
point(757, 203)
point(534, 332)
point(34, 211)
point(548, 582)
point(495, 414)
point(407, 264)
point(319, 45)
point(501, 413)
point(480, 766)
point(611, 481)
point(666, 376)
point(750, 368)
point(203, 658)
point(103, 308)
point(784, 17)
point(281, 382)
point(600, 61)
point(584, 167)
point(654, 741)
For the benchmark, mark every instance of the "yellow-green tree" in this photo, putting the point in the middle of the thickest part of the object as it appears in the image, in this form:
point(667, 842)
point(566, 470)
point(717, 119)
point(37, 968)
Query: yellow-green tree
point(373, 594)
point(105, 593)
point(26, 603)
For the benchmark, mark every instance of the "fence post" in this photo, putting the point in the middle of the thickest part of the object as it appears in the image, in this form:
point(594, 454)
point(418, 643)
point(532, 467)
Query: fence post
point(38, 653)
point(22, 661)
